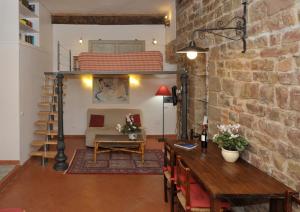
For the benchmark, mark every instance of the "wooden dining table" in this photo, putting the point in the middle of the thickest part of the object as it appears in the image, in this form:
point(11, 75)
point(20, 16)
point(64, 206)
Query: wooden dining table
point(230, 181)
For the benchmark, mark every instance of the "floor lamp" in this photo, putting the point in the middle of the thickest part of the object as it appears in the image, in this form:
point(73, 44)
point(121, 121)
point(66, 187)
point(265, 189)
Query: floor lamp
point(163, 91)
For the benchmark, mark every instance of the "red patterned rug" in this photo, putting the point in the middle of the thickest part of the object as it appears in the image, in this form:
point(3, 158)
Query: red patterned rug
point(116, 163)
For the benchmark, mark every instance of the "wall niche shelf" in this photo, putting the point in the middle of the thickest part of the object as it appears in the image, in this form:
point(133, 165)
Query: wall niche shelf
point(29, 34)
point(25, 12)
point(27, 29)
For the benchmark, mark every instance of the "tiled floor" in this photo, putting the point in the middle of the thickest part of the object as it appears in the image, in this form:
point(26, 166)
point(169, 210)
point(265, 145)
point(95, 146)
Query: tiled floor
point(5, 169)
point(41, 189)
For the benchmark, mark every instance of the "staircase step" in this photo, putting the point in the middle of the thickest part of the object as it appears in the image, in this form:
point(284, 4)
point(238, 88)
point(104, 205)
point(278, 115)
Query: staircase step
point(50, 77)
point(45, 132)
point(51, 94)
point(44, 154)
point(45, 122)
point(52, 86)
point(47, 104)
point(39, 143)
point(47, 113)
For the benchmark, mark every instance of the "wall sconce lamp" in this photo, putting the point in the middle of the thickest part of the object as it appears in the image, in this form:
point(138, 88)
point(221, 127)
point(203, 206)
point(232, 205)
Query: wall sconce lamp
point(237, 24)
point(80, 41)
point(167, 20)
point(154, 41)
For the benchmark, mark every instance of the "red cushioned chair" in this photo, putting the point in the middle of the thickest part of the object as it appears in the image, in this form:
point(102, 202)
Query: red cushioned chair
point(169, 173)
point(170, 176)
point(191, 196)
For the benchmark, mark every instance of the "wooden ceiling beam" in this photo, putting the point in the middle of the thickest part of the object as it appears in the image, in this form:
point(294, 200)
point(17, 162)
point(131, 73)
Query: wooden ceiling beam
point(108, 20)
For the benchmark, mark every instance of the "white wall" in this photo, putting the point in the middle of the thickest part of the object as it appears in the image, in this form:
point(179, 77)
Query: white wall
point(171, 30)
point(33, 63)
point(78, 100)
point(9, 81)
point(69, 35)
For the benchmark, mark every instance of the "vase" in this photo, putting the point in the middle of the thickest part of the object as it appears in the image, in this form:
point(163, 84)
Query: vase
point(132, 136)
point(230, 156)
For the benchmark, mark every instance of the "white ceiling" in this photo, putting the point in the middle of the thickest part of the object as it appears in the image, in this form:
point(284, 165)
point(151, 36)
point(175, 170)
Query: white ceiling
point(107, 7)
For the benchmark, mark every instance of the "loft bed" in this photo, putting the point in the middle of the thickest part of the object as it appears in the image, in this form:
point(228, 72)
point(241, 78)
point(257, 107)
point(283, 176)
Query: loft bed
point(154, 67)
point(111, 56)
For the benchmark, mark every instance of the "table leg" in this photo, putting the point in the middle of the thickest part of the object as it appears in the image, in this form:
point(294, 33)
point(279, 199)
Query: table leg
point(173, 192)
point(143, 151)
point(95, 151)
point(215, 205)
point(277, 205)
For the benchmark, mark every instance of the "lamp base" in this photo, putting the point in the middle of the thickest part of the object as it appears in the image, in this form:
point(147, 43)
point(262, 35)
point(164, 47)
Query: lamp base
point(162, 139)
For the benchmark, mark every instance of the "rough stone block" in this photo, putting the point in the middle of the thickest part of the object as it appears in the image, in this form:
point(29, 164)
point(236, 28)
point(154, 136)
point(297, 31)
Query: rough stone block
point(294, 136)
point(242, 76)
point(246, 120)
point(287, 78)
point(273, 129)
point(257, 11)
point(214, 114)
point(262, 65)
point(266, 94)
point(261, 76)
point(228, 86)
point(282, 94)
point(297, 60)
point(274, 6)
point(291, 36)
point(213, 98)
point(214, 84)
point(285, 65)
point(250, 90)
point(256, 109)
point(294, 169)
point(295, 99)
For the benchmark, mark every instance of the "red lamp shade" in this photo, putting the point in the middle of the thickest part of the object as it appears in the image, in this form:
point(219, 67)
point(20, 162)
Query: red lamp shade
point(163, 91)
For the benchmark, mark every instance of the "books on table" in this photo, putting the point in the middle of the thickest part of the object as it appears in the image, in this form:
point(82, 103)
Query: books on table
point(185, 146)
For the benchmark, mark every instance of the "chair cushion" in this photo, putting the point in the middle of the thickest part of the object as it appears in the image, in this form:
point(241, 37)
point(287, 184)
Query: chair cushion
point(199, 197)
point(97, 121)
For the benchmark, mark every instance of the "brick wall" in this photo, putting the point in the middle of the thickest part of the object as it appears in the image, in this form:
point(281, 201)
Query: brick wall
point(259, 89)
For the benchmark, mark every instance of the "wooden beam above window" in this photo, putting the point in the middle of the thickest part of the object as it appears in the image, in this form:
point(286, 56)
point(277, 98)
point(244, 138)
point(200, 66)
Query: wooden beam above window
point(108, 20)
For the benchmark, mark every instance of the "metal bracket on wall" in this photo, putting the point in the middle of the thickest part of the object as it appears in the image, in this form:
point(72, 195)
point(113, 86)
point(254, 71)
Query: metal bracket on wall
point(237, 24)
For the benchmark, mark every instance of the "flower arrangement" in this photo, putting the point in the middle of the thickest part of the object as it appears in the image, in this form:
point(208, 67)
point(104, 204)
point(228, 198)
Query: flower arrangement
point(129, 127)
point(229, 138)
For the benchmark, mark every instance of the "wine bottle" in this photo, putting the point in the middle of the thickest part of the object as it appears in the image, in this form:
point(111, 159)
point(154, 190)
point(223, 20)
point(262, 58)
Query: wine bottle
point(204, 137)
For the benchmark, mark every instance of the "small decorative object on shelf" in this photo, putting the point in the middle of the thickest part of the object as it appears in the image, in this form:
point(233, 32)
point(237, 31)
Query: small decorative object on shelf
point(29, 39)
point(130, 127)
point(230, 141)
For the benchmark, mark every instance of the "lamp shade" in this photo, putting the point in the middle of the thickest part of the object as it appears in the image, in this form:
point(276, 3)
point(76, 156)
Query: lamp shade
point(163, 91)
point(192, 48)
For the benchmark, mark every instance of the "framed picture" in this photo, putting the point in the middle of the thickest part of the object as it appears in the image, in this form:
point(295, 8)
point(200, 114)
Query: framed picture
point(111, 90)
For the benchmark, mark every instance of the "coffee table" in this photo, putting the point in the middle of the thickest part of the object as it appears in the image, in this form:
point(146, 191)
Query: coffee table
point(110, 143)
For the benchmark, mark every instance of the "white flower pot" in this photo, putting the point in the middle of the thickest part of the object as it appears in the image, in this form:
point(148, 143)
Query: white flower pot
point(132, 136)
point(230, 156)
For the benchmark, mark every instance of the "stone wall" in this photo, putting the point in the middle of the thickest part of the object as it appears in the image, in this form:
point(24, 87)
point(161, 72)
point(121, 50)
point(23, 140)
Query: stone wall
point(259, 89)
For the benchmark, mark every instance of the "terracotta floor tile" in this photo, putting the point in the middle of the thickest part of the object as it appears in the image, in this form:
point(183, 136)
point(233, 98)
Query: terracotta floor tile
point(41, 189)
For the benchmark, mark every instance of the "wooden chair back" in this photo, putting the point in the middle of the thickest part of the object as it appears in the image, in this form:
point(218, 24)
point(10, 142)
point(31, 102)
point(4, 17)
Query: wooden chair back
point(169, 158)
point(183, 179)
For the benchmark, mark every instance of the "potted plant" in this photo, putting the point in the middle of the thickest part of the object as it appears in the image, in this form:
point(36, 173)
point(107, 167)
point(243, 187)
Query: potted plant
point(230, 141)
point(130, 127)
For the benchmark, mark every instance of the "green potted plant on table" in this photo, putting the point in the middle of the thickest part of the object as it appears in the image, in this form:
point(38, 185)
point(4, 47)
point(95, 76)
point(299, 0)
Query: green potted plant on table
point(230, 141)
point(130, 127)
